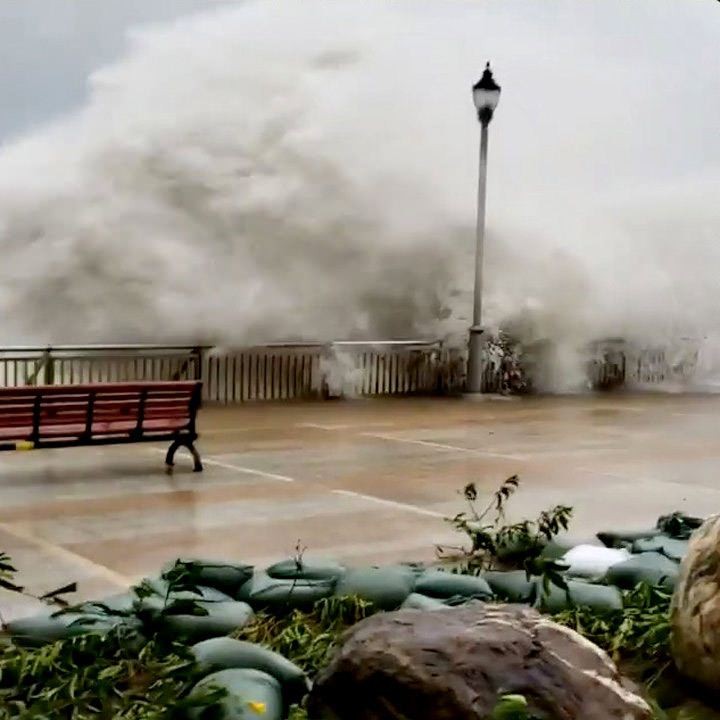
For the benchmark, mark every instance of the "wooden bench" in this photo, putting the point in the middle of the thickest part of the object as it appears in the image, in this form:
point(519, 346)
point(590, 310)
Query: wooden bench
point(101, 414)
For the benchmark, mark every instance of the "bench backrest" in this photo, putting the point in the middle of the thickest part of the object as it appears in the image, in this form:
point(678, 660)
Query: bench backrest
point(87, 405)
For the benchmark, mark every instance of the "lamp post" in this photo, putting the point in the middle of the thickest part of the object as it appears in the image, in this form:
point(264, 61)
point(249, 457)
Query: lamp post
point(486, 94)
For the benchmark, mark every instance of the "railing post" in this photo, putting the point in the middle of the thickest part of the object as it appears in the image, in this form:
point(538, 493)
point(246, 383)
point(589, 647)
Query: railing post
point(322, 385)
point(49, 369)
point(198, 353)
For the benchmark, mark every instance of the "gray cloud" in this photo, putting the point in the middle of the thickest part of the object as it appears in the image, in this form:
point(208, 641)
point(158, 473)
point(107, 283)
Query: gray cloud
point(48, 48)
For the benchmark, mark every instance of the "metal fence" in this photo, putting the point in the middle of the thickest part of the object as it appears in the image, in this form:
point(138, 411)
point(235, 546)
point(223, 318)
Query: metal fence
point(286, 372)
point(272, 372)
point(298, 371)
point(72, 365)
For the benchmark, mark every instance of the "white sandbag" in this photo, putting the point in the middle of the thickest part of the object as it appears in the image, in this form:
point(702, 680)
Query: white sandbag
point(592, 561)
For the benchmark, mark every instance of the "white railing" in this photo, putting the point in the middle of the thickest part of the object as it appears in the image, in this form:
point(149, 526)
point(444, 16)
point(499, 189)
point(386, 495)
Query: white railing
point(273, 372)
point(72, 365)
point(290, 371)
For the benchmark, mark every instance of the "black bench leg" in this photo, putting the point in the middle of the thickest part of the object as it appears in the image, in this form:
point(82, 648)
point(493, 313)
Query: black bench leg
point(176, 445)
point(170, 457)
point(197, 466)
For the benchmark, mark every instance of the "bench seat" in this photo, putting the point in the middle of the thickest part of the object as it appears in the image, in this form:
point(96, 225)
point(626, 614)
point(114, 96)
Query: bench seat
point(101, 414)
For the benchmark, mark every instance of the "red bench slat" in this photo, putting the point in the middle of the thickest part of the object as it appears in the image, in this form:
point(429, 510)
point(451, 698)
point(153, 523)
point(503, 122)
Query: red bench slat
point(63, 411)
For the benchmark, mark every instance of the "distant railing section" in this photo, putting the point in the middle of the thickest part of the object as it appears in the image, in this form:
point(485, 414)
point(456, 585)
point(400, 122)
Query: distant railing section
point(270, 373)
point(347, 369)
point(618, 363)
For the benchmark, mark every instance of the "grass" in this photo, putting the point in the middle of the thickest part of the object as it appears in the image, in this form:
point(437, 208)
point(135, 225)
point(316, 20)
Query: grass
point(94, 677)
point(307, 638)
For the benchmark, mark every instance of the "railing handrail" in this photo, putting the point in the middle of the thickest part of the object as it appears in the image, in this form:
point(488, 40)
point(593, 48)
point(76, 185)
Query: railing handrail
point(98, 348)
point(189, 347)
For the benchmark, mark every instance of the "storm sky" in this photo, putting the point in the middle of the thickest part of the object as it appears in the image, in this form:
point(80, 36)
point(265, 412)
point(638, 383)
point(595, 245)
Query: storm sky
point(49, 47)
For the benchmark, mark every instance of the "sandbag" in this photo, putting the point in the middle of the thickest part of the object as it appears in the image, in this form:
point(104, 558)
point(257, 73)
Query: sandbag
point(417, 568)
point(592, 561)
point(38, 630)
point(648, 567)
point(223, 653)
point(620, 539)
point(218, 574)
point(306, 570)
point(512, 586)
point(440, 584)
point(599, 598)
point(415, 601)
point(386, 588)
point(118, 602)
point(557, 547)
point(160, 587)
point(262, 591)
point(249, 695)
point(222, 618)
point(669, 547)
point(678, 525)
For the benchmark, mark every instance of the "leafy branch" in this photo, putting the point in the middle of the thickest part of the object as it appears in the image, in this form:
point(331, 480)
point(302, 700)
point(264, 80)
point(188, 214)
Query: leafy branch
point(493, 543)
point(54, 598)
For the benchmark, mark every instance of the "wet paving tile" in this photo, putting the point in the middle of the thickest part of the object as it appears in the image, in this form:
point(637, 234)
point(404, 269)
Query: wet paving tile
point(360, 481)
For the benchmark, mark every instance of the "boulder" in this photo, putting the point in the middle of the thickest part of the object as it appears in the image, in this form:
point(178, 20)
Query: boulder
point(456, 665)
point(696, 608)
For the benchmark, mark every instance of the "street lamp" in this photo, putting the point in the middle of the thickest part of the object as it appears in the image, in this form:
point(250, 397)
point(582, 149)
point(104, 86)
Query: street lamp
point(486, 95)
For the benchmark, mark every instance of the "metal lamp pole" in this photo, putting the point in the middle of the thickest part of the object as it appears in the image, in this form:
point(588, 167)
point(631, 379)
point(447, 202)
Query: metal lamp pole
point(486, 95)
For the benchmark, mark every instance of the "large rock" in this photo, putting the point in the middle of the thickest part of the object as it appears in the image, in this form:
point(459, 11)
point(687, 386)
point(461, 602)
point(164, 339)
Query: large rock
point(454, 664)
point(696, 608)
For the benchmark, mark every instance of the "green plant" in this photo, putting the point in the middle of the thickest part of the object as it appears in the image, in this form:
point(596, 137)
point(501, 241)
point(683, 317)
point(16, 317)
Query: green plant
point(307, 638)
point(512, 707)
point(639, 634)
point(121, 674)
point(95, 676)
point(495, 543)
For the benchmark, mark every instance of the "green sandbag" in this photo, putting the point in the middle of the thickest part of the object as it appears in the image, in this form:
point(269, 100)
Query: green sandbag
point(558, 546)
point(45, 628)
point(599, 598)
point(386, 588)
point(678, 525)
point(306, 570)
point(417, 568)
point(667, 546)
point(223, 653)
point(440, 584)
point(210, 594)
point(224, 576)
point(119, 602)
point(416, 601)
point(249, 695)
point(262, 591)
point(648, 567)
point(222, 618)
point(160, 597)
point(619, 539)
point(512, 586)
